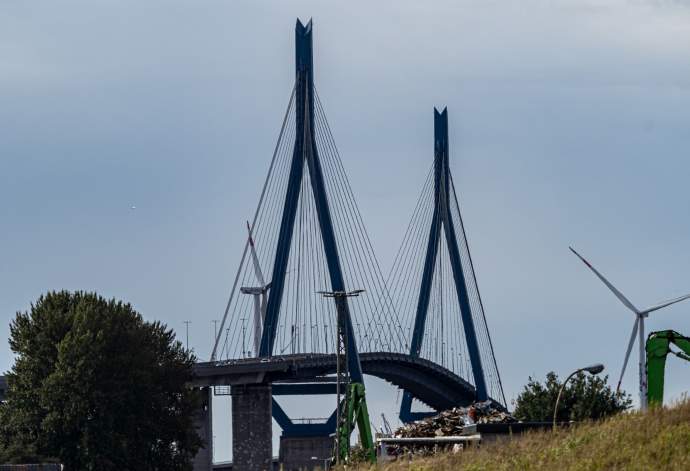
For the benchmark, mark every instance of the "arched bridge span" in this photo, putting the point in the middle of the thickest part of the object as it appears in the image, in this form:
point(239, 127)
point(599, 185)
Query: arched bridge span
point(429, 382)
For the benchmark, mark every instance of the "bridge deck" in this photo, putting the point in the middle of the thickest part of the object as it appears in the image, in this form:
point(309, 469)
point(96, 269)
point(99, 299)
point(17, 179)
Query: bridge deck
point(429, 382)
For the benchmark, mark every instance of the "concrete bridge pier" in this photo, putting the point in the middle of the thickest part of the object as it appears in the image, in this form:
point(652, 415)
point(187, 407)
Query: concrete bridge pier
point(252, 447)
point(203, 461)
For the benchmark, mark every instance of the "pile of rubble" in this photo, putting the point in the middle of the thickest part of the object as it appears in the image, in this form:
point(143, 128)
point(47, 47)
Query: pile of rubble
point(447, 424)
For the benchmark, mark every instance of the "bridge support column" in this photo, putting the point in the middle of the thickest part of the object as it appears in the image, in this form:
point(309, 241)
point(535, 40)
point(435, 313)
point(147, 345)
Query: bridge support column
point(252, 448)
point(203, 461)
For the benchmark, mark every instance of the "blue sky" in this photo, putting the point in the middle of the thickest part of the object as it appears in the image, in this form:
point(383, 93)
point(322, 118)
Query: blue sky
point(569, 124)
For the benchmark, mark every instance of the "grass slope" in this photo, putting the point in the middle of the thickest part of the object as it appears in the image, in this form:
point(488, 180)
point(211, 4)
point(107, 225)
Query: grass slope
point(658, 440)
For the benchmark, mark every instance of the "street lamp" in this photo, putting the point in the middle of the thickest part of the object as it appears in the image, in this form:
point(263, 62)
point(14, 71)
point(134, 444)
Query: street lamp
point(592, 369)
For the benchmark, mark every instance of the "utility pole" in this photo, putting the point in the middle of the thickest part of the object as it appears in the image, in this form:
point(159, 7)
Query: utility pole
point(244, 351)
point(215, 329)
point(292, 338)
point(187, 328)
point(325, 333)
point(342, 374)
point(443, 350)
point(452, 356)
point(227, 350)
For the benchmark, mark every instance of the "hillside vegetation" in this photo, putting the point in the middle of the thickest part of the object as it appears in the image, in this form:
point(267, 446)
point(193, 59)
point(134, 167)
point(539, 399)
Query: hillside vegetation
point(657, 440)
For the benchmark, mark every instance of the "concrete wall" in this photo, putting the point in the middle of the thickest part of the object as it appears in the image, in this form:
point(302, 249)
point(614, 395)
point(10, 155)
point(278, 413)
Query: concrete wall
point(203, 461)
point(251, 427)
point(305, 453)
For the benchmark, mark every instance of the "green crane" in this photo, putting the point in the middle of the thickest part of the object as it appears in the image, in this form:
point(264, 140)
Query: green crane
point(354, 412)
point(658, 347)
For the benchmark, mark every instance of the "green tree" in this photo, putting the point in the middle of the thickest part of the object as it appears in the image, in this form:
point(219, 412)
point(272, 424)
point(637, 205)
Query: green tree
point(97, 388)
point(585, 397)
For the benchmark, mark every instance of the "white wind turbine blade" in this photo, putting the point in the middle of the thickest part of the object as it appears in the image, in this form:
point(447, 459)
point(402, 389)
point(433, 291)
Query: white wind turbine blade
point(255, 259)
point(627, 353)
point(666, 303)
point(618, 294)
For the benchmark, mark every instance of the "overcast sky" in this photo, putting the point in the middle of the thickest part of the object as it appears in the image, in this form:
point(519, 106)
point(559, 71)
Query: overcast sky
point(569, 124)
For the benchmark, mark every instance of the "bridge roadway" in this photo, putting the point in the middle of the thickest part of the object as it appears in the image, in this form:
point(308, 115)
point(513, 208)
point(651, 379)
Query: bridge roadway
point(432, 384)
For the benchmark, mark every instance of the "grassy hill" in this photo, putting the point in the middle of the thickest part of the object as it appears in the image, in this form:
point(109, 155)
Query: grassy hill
point(658, 440)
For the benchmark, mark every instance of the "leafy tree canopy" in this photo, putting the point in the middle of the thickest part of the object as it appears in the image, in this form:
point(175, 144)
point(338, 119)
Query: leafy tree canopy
point(584, 397)
point(97, 388)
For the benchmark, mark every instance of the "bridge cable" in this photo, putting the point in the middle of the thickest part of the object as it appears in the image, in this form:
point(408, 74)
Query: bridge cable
point(246, 245)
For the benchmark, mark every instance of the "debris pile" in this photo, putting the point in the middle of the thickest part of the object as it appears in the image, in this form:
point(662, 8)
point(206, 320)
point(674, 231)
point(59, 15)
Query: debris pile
point(451, 422)
point(447, 424)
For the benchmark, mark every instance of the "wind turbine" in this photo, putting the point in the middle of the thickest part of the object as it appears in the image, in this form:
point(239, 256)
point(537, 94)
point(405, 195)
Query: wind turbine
point(638, 329)
point(259, 293)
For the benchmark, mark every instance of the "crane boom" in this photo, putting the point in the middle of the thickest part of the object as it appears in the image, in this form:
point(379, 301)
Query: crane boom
point(658, 348)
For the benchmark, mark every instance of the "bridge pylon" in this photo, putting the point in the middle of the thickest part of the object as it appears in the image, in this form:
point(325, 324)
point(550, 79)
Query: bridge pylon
point(305, 152)
point(443, 226)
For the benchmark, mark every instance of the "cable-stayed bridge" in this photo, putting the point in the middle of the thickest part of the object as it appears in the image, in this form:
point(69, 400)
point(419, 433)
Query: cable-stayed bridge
point(421, 328)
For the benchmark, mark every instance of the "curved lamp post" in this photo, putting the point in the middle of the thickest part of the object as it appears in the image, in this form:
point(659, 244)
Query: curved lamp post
point(592, 369)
